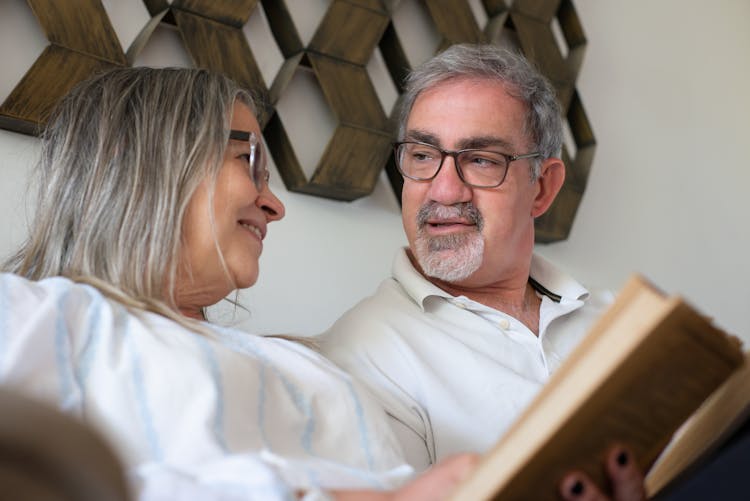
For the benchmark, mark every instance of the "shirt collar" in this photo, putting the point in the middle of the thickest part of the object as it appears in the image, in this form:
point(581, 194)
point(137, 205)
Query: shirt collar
point(415, 285)
point(554, 283)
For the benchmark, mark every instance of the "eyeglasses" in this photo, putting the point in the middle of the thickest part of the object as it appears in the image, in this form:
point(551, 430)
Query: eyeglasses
point(477, 168)
point(257, 160)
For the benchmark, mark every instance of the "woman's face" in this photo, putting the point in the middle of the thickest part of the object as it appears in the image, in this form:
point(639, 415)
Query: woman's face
point(241, 215)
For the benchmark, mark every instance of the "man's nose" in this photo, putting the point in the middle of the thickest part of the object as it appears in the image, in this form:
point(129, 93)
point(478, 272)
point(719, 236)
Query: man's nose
point(447, 187)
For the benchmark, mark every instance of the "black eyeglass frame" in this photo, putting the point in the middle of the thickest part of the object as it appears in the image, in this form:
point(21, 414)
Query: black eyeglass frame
point(259, 172)
point(454, 155)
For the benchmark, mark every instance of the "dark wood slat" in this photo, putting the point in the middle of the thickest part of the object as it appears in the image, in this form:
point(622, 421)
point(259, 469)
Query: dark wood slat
point(539, 44)
point(280, 148)
point(349, 92)
point(230, 12)
point(84, 28)
point(350, 165)
point(541, 10)
point(221, 48)
point(50, 78)
point(394, 57)
point(155, 7)
point(574, 35)
point(283, 28)
point(580, 128)
point(557, 222)
point(455, 21)
point(494, 7)
point(374, 5)
point(349, 32)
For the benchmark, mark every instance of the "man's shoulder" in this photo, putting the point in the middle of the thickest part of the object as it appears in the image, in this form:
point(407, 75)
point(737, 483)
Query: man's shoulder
point(378, 311)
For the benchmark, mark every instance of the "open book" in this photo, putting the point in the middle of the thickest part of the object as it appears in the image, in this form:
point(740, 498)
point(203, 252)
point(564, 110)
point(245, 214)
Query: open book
point(726, 410)
point(646, 365)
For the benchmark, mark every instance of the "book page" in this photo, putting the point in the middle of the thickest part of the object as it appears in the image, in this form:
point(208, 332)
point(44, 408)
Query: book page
point(707, 429)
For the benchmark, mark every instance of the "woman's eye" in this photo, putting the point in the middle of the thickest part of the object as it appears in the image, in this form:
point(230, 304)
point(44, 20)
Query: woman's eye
point(245, 157)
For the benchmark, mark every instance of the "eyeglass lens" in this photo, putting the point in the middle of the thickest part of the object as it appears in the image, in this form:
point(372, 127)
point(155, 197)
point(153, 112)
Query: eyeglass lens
point(257, 165)
point(478, 167)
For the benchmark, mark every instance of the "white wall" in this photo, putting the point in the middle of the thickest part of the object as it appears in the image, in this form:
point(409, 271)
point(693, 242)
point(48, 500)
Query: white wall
point(664, 84)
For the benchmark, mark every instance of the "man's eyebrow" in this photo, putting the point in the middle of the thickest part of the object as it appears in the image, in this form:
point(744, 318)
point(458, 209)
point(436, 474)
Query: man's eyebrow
point(239, 135)
point(469, 143)
point(422, 137)
point(482, 142)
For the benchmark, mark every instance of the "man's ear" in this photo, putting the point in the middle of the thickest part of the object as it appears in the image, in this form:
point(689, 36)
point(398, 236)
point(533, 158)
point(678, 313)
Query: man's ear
point(551, 178)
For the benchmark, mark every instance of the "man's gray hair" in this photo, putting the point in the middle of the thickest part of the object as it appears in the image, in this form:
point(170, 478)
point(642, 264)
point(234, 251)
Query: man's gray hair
point(490, 62)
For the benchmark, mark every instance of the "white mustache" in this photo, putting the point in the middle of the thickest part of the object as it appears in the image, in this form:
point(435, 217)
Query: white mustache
point(463, 210)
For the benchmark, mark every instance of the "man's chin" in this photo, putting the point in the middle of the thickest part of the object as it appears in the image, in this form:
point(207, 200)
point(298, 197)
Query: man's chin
point(448, 265)
point(449, 258)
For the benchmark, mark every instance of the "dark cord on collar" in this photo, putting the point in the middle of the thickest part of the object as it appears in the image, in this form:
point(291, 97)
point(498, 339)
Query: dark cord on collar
point(544, 291)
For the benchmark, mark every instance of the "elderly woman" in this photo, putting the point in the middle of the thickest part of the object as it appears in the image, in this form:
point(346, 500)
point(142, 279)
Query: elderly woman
point(153, 204)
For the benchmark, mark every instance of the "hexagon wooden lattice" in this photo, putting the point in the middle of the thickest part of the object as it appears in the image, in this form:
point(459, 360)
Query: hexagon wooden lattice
point(82, 41)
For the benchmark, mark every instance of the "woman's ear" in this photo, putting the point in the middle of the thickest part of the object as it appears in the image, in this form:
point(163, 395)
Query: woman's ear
point(551, 178)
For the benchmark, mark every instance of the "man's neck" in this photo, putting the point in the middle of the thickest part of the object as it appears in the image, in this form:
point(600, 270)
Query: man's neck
point(516, 298)
point(519, 301)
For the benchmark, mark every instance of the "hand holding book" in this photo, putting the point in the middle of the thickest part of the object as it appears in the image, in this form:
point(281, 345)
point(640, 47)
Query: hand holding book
point(626, 480)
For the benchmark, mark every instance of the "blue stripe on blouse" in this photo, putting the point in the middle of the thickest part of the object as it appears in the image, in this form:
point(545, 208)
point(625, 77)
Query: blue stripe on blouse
point(91, 343)
point(210, 357)
point(141, 397)
point(364, 439)
point(245, 342)
point(69, 394)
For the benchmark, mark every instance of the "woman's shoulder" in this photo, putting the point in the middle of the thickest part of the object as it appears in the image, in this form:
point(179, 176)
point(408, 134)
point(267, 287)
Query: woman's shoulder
point(24, 298)
point(57, 310)
point(43, 312)
point(271, 347)
point(10, 283)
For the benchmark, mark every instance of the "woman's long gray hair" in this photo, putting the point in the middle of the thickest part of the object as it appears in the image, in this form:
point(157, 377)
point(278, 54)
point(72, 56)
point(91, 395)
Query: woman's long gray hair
point(122, 155)
point(490, 62)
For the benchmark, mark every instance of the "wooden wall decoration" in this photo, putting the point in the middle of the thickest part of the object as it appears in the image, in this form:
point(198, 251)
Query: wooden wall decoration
point(82, 41)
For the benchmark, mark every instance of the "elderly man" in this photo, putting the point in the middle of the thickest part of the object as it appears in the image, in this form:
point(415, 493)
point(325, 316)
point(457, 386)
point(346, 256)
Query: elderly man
point(472, 323)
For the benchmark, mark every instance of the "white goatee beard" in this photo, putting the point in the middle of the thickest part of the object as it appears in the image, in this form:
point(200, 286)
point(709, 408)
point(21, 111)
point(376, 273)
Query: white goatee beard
point(454, 257)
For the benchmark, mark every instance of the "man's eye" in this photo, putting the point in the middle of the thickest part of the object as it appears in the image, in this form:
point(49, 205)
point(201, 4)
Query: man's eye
point(421, 155)
point(483, 161)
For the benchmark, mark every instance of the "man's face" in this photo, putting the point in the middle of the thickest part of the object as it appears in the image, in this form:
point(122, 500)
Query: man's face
point(459, 234)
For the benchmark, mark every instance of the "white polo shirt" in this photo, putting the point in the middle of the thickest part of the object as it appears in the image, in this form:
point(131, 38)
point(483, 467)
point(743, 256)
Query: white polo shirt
point(452, 373)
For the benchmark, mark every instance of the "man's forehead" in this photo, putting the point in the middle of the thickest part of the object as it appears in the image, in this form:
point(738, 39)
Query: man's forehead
point(467, 113)
point(479, 97)
point(471, 84)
